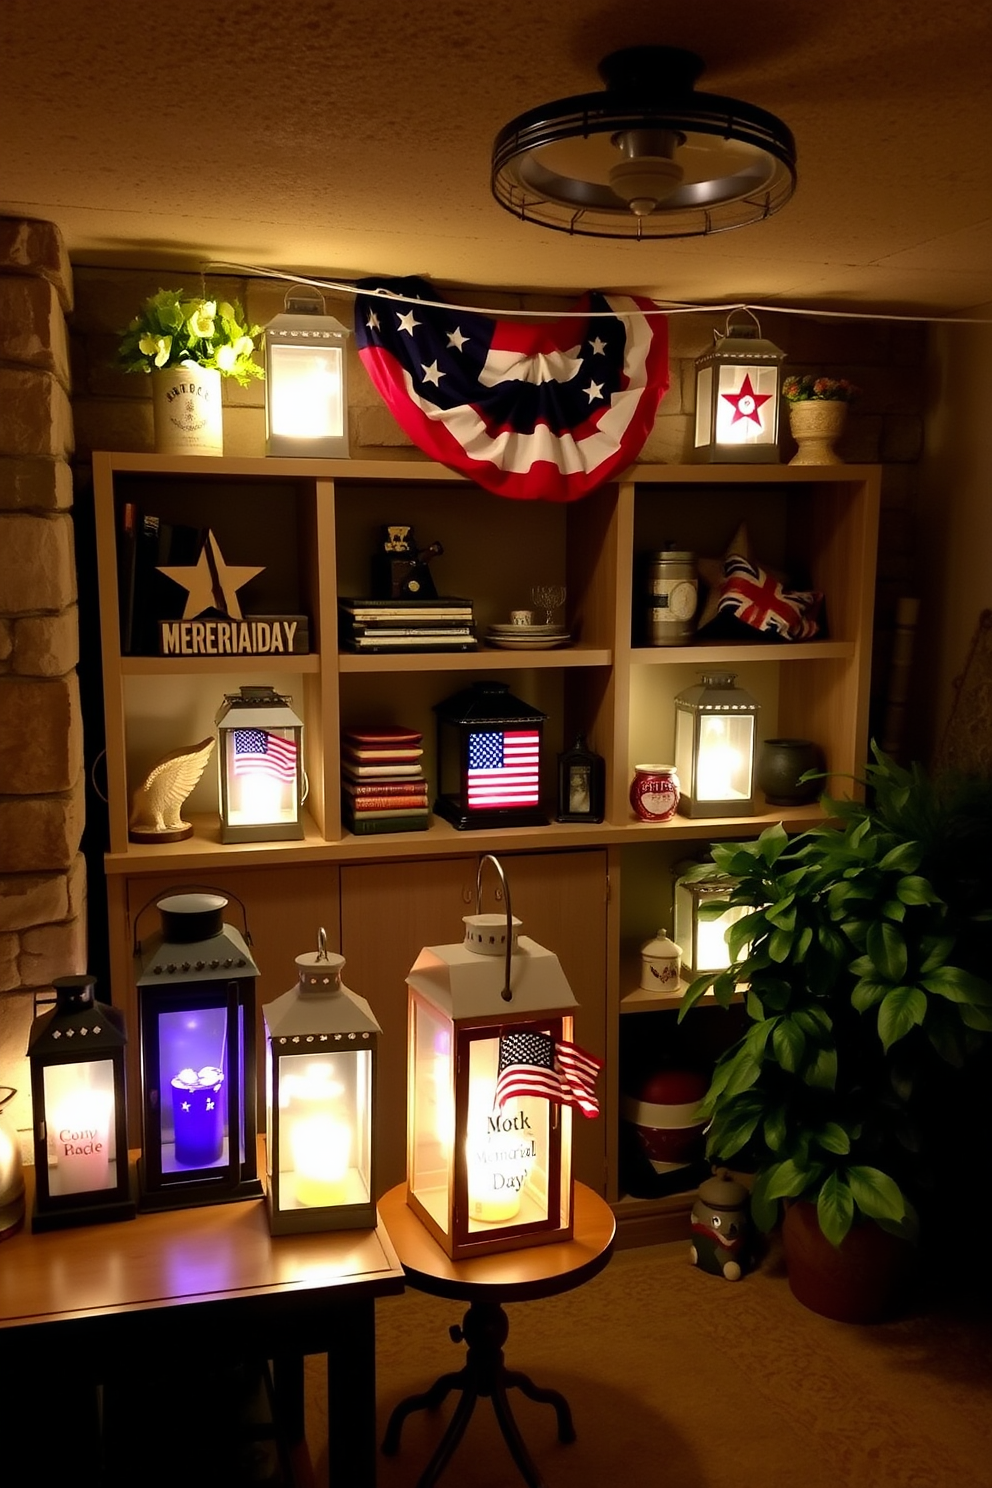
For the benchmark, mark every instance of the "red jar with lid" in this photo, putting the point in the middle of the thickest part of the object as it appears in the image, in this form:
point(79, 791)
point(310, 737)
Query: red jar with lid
point(654, 792)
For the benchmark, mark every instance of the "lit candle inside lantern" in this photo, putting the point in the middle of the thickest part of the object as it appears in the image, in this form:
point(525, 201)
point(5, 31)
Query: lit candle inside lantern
point(258, 798)
point(79, 1145)
point(305, 393)
point(198, 1116)
point(720, 763)
point(319, 1137)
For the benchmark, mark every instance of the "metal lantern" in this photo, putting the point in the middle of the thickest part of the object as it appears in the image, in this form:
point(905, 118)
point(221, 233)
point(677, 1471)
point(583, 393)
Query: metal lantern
point(306, 380)
point(261, 767)
point(701, 932)
point(581, 784)
point(76, 1053)
point(491, 1080)
point(489, 759)
point(196, 1025)
point(738, 392)
point(715, 722)
point(321, 1059)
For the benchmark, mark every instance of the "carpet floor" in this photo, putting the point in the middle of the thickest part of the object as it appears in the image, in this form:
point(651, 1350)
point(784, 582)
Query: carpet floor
point(678, 1379)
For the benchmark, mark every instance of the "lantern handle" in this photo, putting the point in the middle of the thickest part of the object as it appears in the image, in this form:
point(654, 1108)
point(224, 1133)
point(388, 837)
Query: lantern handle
point(191, 889)
point(7, 1093)
point(506, 994)
point(741, 310)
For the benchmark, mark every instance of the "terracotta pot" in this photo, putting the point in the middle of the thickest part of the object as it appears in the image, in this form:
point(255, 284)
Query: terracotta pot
point(186, 403)
point(816, 424)
point(859, 1281)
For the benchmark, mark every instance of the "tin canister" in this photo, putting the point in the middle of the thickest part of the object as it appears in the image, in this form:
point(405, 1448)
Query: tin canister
point(673, 597)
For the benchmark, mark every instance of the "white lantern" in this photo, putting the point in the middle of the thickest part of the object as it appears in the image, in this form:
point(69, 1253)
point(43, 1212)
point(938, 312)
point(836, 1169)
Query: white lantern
point(715, 723)
point(306, 381)
point(738, 384)
point(701, 934)
point(261, 767)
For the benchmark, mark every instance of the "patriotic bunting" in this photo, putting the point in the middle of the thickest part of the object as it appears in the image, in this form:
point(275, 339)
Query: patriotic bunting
point(544, 411)
point(536, 1064)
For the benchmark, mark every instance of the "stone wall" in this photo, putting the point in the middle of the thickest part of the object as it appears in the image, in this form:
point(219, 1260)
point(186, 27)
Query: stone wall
point(42, 875)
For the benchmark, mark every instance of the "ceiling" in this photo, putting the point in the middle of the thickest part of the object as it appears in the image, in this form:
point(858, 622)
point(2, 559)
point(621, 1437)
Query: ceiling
point(340, 139)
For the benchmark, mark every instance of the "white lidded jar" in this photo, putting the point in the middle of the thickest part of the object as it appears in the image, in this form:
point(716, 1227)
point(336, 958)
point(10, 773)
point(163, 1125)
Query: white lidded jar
point(661, 964)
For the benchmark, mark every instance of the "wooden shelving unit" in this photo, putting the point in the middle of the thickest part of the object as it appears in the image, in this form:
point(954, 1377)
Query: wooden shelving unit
point(315, 523)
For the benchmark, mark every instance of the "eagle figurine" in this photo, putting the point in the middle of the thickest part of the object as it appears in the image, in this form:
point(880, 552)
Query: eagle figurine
point(156, 806)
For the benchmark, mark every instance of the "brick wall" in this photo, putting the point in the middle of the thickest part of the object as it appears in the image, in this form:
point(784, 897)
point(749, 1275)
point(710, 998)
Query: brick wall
point(42, 876)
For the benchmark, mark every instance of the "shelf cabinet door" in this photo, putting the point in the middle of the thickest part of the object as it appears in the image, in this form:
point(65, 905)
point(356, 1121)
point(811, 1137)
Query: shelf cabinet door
point(389, 911)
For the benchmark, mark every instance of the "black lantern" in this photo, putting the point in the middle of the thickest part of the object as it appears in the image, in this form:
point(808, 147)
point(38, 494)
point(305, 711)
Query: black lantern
point(261, 767)
point(489, 759)
point(738, 386)
point(76, 1052)
point(492, 1078)
point(715, 723)
point(581, 784)
point(322, 1044)
point(196, 1022)
point(306, 381)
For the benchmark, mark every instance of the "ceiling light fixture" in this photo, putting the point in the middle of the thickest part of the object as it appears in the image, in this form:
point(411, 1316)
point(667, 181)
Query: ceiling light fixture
point(648, 158)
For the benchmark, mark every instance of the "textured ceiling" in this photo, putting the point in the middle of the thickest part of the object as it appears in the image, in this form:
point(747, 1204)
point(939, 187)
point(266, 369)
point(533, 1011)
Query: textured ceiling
point(344, 139)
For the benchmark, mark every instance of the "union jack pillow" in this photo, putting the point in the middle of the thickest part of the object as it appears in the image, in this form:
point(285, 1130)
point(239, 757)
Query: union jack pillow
point(755, 597)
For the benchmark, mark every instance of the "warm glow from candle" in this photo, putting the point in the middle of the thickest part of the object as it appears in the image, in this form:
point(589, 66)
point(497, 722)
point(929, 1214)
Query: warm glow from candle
point(79, 1136)
point(318, 1136)
point(499, 1154)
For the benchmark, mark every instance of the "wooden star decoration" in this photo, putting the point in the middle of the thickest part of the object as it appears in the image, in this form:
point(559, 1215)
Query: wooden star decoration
point(212, 583)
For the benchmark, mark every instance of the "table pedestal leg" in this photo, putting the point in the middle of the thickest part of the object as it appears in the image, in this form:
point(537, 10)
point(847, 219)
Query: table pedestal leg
point(485, 1329)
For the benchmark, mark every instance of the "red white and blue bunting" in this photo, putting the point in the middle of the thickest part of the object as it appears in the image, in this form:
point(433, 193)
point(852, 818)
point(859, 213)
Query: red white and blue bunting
point(541, 411)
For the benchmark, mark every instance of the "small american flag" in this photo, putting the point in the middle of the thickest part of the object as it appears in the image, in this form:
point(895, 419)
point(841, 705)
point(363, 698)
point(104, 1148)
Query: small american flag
point(536, 1064)
point(503, 768)
point(257, 751)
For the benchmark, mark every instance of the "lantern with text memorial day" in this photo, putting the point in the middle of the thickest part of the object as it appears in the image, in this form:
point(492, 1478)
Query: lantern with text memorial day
point(306, 383)
point(492, 1079)
point(738, 387)
point(261, 767)
point(715, 723)
point(489, 759)
point(322, 1044)
point(196, 1025)
point(76, 1052)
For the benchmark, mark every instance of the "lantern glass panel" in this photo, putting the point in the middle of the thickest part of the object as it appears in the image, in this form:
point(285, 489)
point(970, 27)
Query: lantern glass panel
point(261, 781)
point(325, 1139)
point(704, 940)
point(432, 1113)
point(192, 1059)
point(747, 404)
point(724, 757)
point(80, 1119)
point(305, 392)
point(506, 1147)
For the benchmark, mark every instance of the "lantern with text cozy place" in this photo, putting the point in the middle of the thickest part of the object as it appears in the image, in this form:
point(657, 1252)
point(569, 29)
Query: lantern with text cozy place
point(492, 1078)
point(489, 759)
point(715, 722)
point(76, 1053)
point(738, 388)
point(322, 1044)
point(261, 767)
point(701, 928)
point(196, 1025)
point(306, 380)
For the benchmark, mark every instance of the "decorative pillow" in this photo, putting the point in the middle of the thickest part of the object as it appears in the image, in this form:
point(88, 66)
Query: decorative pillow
point(752, 595)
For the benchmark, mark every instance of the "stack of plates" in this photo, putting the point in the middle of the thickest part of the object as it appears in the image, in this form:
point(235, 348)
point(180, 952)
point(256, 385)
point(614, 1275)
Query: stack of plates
point(527, 637)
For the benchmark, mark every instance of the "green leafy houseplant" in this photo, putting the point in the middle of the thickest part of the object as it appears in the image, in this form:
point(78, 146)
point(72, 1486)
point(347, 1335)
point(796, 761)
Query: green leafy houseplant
point(174, 329)
point(859, 957)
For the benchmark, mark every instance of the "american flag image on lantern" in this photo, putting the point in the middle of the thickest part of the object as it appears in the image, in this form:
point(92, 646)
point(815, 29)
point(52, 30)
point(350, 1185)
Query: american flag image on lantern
point(256, 751)
point(503, 769)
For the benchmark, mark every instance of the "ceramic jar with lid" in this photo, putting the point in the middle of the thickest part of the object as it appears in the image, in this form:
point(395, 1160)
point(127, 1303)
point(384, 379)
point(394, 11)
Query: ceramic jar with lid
point(661, 964)
point(654, 792)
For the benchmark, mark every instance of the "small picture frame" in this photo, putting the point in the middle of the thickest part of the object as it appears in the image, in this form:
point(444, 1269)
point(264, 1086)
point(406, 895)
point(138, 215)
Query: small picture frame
point(581, 784)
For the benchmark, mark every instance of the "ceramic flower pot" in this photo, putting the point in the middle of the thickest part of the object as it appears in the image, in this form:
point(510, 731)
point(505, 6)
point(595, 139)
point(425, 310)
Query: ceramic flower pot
point(816, 424)
point(781, 765)
point(186, 402)
point(859, 1281)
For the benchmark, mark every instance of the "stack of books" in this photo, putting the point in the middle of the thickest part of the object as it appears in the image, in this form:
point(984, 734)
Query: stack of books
point(371, 625)
point(382, 782)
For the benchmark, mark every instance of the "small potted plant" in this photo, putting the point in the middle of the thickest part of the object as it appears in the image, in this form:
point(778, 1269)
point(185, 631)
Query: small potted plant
point(817, 414)
point(187, 344)
point(869, 1021)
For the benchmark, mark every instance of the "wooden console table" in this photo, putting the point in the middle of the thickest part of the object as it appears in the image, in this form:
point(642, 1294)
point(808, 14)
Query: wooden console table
point(94, 1301)
point(486, 1283)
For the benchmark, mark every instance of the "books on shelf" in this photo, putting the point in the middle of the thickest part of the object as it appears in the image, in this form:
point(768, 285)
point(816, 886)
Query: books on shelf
point(383, 788)
point(377, 625)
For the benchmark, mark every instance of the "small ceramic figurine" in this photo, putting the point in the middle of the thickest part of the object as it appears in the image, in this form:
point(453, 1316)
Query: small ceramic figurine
point(157, 804)
point(720, 1231)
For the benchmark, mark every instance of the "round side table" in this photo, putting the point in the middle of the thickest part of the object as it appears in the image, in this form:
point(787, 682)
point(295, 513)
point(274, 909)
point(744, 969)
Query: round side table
point(486, 1283)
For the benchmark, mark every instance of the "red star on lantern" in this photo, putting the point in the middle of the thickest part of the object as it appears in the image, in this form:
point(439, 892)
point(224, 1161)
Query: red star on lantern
point(747, 402)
